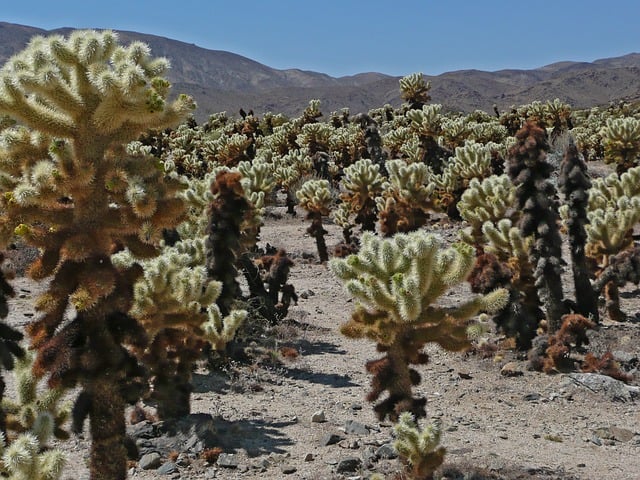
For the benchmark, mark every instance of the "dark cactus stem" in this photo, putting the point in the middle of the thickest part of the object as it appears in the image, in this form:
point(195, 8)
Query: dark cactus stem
point(373, 141)
point(108, 430)
point(574, 183)
point(226, 214)
point(392, 373)
point(536, 199)
point(317, 231)
point(623, 268)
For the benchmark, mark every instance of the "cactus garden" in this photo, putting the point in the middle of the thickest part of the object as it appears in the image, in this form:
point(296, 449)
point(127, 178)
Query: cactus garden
point(403, 293)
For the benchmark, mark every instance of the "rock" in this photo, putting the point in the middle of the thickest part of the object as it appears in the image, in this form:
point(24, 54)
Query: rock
point(624, 357)
point(386, 451)
point(621, 434)
point(227, 460)
point(142, 429)
point(330, 439)
point(356, 406)
point(352, 427)
point(183, 460)
point(532, 397)
point(150, 461)
point(309, 457)
point(306, 294)
point(348, 465)
point(511, 369)
point(288, 469)
point(318, 417)
point(610, 387)
point(167, 468)
point(369, 456)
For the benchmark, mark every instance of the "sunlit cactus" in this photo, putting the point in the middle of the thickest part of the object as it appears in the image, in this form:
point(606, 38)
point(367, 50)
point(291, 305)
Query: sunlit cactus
point(396, 283)
point(362, 184)
point(24, 459)
point(316, 198)
point(621, 140)
point(414, 90)
point(74, 189)
point(408, 197)
point(485, 200)
point(418, 447)
point(35, 410)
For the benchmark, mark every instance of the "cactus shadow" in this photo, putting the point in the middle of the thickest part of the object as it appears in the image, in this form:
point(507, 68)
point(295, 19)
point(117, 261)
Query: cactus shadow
point(329, 379)
point(255, 436)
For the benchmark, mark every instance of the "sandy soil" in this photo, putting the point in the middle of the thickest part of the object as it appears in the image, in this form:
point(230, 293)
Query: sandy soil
point(532, 426)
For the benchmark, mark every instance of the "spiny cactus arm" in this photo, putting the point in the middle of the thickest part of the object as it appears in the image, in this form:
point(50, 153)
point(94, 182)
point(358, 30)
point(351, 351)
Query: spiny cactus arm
point(414, 90)
point(219, 331)
point(418, 447)
point(621, 140)
point(315, 196)
point(22, 460)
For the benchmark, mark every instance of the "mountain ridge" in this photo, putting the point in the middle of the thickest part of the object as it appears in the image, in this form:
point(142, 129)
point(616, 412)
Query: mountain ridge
point(225, 81)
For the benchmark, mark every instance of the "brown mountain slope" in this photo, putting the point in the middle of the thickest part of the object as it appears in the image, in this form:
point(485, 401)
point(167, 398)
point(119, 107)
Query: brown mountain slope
point(222, 80)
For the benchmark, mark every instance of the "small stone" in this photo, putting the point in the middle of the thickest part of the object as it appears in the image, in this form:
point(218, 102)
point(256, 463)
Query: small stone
point(596, 440)
point(621, 434)
point(356, 406)
point(330, 439)
point(306, 294)
point(318, 417)
point(288, 469)
point(352, 427)
point(150, 461)
point(511, 369)
point(532, 397)
point(167, 468)
point(347, 465)
point(386, 451)
point(227, 460)
point(183, 460)
point(309, 457)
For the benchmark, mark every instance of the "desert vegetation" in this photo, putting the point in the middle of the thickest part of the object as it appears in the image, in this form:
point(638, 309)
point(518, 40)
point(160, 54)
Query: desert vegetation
point(147, 228)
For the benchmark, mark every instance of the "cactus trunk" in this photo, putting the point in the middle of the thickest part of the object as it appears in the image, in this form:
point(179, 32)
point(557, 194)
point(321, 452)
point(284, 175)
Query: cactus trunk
point(108, 454)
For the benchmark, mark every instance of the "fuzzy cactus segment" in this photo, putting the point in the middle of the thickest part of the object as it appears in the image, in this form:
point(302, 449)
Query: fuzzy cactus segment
point(396, 283)
point(419, 448)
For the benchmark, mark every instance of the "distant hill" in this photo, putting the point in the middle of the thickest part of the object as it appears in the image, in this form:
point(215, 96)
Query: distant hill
point(224, 81)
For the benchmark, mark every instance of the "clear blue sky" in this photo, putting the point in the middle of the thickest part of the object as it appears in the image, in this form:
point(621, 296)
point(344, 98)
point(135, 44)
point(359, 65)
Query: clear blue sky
point(343, 37)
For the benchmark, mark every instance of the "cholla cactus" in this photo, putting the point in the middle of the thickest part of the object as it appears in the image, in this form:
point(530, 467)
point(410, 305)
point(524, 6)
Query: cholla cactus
point(24, 459)
point(414, 90)
point(35, 411)
point(485, 200)
point(396, 283)
point(175, 302)
point(614, 211)
point(72, 188)
point(362, 184)
point(419, 448)
point(536, 199)
point(621, 140)
point(472, 161)
point(408, 197)
point(316, 198)
point(574, 183)
point(33, 419)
